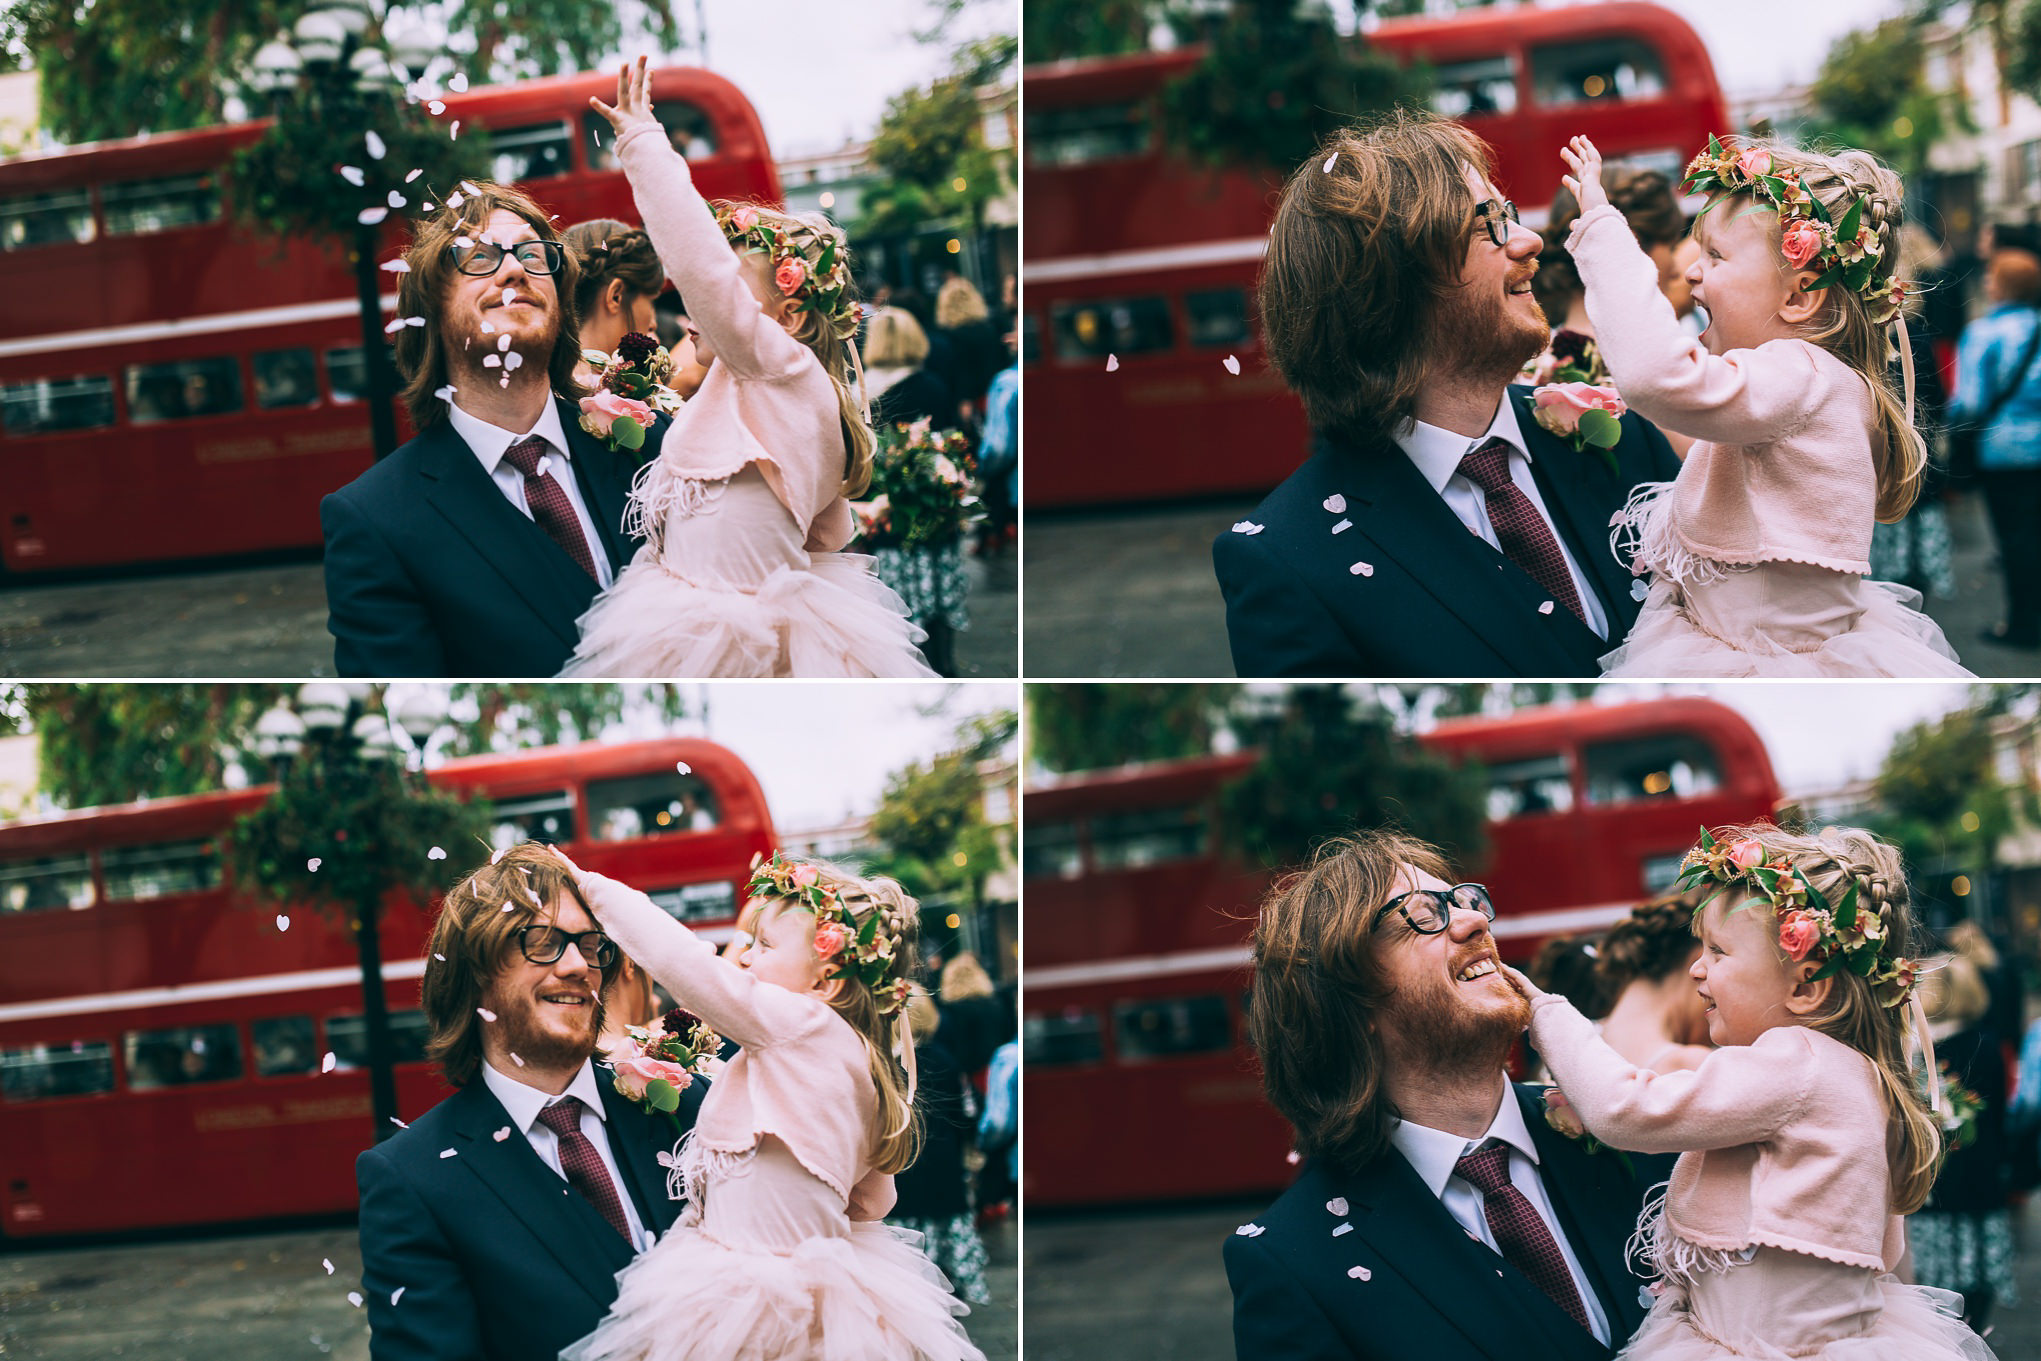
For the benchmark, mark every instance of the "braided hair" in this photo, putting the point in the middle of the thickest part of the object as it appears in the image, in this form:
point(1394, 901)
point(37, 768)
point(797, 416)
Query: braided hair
point(608, 249)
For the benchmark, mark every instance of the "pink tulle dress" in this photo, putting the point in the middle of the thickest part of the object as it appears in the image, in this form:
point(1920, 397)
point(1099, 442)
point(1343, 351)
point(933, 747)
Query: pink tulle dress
point(742, 511)
point(780, 1253)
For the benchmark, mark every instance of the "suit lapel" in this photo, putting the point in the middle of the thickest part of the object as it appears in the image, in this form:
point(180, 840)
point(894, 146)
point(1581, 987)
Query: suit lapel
point(1594, 1213)
point(634, 1139)
point(1582, 494)
point(605, 481)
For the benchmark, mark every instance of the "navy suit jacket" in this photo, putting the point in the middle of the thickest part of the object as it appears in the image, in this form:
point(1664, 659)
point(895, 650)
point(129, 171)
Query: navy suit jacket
point(1436, 601)
point(1431, 1290)
point(498, 1257)
point(430, 571)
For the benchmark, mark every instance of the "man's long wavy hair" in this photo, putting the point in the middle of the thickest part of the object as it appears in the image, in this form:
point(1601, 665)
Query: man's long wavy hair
point(1317, 988)
point(421, 292)
point(1359, 260)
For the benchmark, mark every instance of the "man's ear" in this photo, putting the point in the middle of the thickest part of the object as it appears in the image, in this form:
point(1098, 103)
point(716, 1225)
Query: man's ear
point(1808, 996)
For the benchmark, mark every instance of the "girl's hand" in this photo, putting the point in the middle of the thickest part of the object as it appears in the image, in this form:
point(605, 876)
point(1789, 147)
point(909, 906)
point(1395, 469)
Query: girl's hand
point(1531, 991)
point(634, 100)
point(1586, 179)
point(571, 868)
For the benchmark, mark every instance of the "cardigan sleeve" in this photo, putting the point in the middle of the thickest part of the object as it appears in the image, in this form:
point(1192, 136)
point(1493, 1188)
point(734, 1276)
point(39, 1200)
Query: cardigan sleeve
point(1740, 1094)
point(1669, 377)
point(736, 1004)
point(701, 262)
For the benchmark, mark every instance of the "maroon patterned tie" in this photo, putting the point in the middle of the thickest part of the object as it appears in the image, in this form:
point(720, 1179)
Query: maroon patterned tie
point(1525, 536)
point(1519, 1230)
point(583, 1163)
point(548, 501)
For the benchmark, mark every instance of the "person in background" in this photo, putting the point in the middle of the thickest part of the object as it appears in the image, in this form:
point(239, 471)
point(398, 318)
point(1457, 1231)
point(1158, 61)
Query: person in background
point(935, 1192)
point(902, 389)
point(628, 1002)
point(971, 1023)
point(2008, 1012)
point(1657, 1018)
point(942, 359)
point(999, 457)
point(1565, 965)
point(999, 1126)
point(620, 277)
point(1998, 384)
point(1917, 551)
point(961, 312)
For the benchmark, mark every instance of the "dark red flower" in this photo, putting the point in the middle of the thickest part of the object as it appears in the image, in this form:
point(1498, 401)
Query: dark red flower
point(637, 347)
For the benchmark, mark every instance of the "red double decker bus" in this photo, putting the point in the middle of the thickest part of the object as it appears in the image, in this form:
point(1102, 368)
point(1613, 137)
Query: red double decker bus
point(1136, 961)
point(162, 1039)
point(1130, 252)
point(173, 387)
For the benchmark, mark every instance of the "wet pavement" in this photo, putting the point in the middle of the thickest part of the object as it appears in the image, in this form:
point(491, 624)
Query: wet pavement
point(1131, 593)
point(262, 1297)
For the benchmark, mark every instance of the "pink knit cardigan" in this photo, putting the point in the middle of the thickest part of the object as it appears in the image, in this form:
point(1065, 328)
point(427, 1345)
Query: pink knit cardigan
point(801, 1073)
point(1781, 1142)
point(766, 399)
point(1781, 470)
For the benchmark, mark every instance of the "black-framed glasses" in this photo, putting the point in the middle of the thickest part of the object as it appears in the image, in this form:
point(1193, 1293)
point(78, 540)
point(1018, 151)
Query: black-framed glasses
point(1497, 220)
point(1429, 911)
point(482, 258)
point(545, 945)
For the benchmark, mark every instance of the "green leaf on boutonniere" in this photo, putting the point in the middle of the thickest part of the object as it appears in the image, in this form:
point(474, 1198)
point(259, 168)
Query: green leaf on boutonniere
point(627, 433)
point(661, 1096)
point(1570, 373)
point(1600, 429)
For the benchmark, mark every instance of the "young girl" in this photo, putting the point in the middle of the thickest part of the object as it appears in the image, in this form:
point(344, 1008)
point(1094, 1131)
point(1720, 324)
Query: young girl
point(1758, 549)
point(744, 509)
point(1801, 1139)
point(779, 1253)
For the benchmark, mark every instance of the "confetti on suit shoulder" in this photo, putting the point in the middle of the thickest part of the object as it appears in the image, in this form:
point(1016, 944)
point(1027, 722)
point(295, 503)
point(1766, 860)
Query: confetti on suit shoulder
point(398, 1293)
point(1362, 569)
point(1545, 608)
point(1232, 362)
point(1337, 1206)
point(1112, 363)
point(1250, 1231)
point(501, 1134)
point(1247, 527)
point(1343, 526)
point(374, 144)
point(353, 175)
point(1359, 1273)
point(1334, 503)
point(448, 1152)
point(1331, 161)
point(1344, 1228)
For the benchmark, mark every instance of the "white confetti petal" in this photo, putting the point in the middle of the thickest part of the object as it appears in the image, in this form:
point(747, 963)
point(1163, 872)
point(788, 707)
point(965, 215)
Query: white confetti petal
point(374, 144)
point(1232, 363)
point(1359, 1273)
point(511, 361)
point(502, 1134)
point(327, 1262)
point(506, 381)
point(448, 1152)
point(502, 344)
point(1638, 590)
point(414, 321)
point(1362, 569)
point(459, 83)
point(438, 107)
point(1293, 1157)
point(454, 200)
point(445, 394)
point(455, 135)
point(396, 200)
point(313, 864)
point(1334, 503)
point(1336, 1206)
point(508, 906)
point(1250, 1231)
point(1343, 526)
point(354, 1298)
point(395, 266)
point(493, 361)
point(398, 1293)
point(683, 767)
point(545, 462)
point(509, 296)
point(283, 923)
point(425, 207)
point(485, 1013)
point(516, 1060)
point(327, 1064)
point(488, 329)
point(1545, 608)
point(352, 174)
point(1344, 1228)
point(462, 242)
point(369, 217)
point(398, 1123)
point(438, 852)
point(469, 186)
point(1112, 363)
point(438, 956)
point(1330, 161)
point(499, 855)
point(1247, 527)
point(396, 325)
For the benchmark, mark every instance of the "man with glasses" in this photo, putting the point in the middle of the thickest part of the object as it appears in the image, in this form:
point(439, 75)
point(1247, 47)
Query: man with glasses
point(1436, 529)
point(1436, 1215)
point(494, 1226)
point(474, 548)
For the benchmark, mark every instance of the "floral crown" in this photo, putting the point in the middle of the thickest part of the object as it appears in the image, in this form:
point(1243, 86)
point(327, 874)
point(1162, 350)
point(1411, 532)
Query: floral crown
point(1845, 935)
point(1846, 251)
point(807, 263)
point(863, 952)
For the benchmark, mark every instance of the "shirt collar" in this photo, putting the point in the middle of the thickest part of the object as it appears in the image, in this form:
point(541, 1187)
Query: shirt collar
point(1435, 1153)
point(1437, 451)
point(523, 1103)
point(490, 442)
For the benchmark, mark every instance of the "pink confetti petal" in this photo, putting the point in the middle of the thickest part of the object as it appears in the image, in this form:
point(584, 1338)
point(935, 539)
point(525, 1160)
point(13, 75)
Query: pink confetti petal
point(463, 242)
point(516, 1060)
point(1362, 569)
point(493, 361)
point(438, 107)
point(1112, 363)
point(1293, 1157)
point(509, 296)
point(397, 200)
point(369, 217)
point(437, 852)
point(1331, 161)
point(1334, 503)
point(283, 923)
point(396, 325)
point(414, 175)
point(327, 1064)
point(425, 207)
point(1337, 1206)
point(353, 175)
point(327, 1262)
point(395, 266)
point(445, 394)
point(511, 361)
point(459, 83)
point(469, 185)
point(313, 864)
point(374, 144)
point(1360, 1273)
point(354, 1298)
point(1232, 363)
point(436, 954)
point(502, 1134)
point(1545, 608)
point(683, 767)
point(502, 344)
point(499, 855)
point(488, 329)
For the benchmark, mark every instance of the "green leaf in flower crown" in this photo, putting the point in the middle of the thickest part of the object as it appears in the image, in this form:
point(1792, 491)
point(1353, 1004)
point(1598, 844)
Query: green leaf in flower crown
point(1768, 877)
point(1708, 837)
point(660, 1095)
point(1864, 961)
point(628, 434)
point(1857, 274)
point(1846, 910)
point(1832, 967)
point(1600, 429)
point(1814, 898)
point(1714, 145)
point(1817, 209)
point(1826, 279)
point(1846, 230)
point(870, 929)
point(828, 260)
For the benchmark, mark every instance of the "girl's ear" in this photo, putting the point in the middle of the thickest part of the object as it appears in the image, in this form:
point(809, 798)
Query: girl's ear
point(613, 296)
point(829, 989)
point(1801, 305)
point(1808, 996)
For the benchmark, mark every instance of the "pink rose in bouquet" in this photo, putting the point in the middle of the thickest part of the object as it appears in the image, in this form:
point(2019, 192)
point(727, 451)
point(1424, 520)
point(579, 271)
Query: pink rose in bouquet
point(635, 1074)
point(1754, 161)
point(1800, 243)
point(600, 411)
point(791, 274)
point(830, 938)
point(1747, 854)
point(1798, 933)
point(1561, 405)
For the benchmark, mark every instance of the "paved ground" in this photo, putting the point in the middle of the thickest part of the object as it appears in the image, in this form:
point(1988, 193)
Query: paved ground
point(269, 620)
point(260, 1297)
point(1131, 593)
point(1149, 1285)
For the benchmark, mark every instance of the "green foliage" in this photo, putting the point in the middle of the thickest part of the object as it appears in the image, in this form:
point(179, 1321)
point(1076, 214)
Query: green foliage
point(1872, 93)
point(117, 742)
point(931, 820)
point(1936, 771)
point(523, 39)
point(1053, 30)
point(1095, 727)
point(930, 139)
point(925, 506)
point(1275, 80)
point(1329, 765)
point(512, 717)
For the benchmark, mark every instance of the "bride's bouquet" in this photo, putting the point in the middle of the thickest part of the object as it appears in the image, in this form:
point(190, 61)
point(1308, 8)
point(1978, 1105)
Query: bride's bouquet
point(921, 494)
point(633, 387)
point(656, 1063)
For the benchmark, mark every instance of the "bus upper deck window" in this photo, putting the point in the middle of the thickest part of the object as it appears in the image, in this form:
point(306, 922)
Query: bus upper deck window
point(160, 205)
point(538, 152)
point(650, 805)
point(1605, 69)
point(1171, 1027)
point(347, 1038)
point(48, 405)
point(533, 817)
point(1218, 317)
point(183, 388)
point(715, 901)
point(1050, 850)
point(1663, 766)
point(691, 131)
point(1519, 789)
point(1061, 1038)
point(1151, 836)
point(179, 1056)
point(1095, 328)
point(1475, 89)
point(46, 883)
point(46, 219)
point(44, 1072)
point(135, 872)
point(1095, 132)
point(1031, 339)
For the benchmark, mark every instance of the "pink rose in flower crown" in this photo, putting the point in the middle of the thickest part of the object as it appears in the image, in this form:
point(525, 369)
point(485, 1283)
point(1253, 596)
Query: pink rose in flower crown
point(744, 219)
point(1798, 933)
point(1754, 161)
point(791, 274)
point(806, 876)
point(1800, 243)
point(634, 1075)
point(830, 938)
point(1747, 854)
point(600, 412)
point(1561, 405)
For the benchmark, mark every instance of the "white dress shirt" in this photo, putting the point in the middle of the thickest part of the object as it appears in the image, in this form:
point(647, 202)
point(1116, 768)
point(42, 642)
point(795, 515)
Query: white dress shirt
point(1437, 453)
point(1435, 1154)
point(491, 442)
point(524, 1104)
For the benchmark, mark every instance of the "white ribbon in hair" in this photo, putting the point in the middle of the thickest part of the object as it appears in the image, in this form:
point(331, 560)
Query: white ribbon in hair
point(1905, 363)
point(1920, 1030)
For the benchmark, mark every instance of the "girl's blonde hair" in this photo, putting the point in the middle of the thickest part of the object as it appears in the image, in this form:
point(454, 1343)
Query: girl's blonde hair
point(1831, 860)
point(833, 338)
point(1844, 328)
point(896, 1136)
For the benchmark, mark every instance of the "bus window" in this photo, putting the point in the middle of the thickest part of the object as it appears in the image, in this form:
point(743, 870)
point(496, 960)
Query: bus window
point(535, 153)
point(1055, 1039)
point(533, 817)
point(46, 219)
point(48, 405)
point(183, 388)
point(135, 872)
point(347, 375)
point(1171, 1027)
point(1609, 68)
point(713, 902)
point(42, 1072)
point(1098, 132)
point(1096, 328)
point(347, 1037)
point(1218, 316)
point(1149, 836)
point(692, 132)
point(46, 883)
point(650, 805)
point(159, 205)
point(182, 1055)
point(1050, 851)
point(284, 1045)
point(285, 378)
point(1473, 89)
point(1664, 766)
point(1031, 340)
point(1522, 789)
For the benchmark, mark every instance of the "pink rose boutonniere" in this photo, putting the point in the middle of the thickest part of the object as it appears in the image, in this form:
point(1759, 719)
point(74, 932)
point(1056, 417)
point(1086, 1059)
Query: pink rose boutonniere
point(633, 389)
point(1583, 413)
point(654, 1064)
point(1566, 1122)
